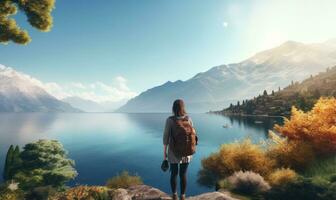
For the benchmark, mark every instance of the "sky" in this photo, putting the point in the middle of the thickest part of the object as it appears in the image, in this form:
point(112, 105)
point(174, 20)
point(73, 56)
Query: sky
point(112, 50)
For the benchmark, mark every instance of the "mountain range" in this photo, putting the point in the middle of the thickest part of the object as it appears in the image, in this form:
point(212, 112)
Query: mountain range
point(214, 89)
point(224, 84)
point(93, 106)
point(22, 93)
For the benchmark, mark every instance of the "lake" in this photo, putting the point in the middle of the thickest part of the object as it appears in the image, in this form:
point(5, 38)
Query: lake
point(104, 144)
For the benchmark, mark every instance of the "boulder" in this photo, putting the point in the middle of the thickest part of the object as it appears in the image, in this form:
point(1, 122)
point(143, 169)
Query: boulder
point(212, 196)
point(120, 194)
point(144, 192)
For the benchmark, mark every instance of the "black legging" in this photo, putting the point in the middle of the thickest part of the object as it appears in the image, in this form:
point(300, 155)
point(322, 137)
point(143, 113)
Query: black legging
point(183, 176)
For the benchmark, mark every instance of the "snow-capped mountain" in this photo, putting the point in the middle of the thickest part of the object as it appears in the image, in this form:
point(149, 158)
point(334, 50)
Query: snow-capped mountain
point(221, 85)
point(22, 93)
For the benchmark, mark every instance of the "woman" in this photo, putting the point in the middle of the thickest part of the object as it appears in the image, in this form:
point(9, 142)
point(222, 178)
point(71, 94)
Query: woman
point(178, 165)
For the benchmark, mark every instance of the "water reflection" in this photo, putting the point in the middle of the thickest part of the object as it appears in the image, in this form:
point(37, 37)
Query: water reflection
point(260, 123)
point(20, 128)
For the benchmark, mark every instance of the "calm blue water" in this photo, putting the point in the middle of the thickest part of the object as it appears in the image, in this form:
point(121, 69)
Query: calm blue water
point(103, 145)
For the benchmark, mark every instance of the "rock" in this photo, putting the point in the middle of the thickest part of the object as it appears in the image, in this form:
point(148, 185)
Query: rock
point(144, 192)
point(212, 196)
point(120, 194)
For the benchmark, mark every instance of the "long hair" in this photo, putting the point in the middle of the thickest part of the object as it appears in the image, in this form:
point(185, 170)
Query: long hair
point(179, 108)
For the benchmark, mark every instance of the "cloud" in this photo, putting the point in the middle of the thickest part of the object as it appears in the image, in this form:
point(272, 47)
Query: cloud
point(97, 91)
point(114, 92)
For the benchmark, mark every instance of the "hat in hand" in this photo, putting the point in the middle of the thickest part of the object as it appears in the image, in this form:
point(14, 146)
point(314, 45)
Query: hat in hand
point(165, 165)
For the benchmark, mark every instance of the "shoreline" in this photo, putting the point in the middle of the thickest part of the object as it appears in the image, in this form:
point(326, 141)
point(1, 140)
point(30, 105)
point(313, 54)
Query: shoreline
point(246, 115)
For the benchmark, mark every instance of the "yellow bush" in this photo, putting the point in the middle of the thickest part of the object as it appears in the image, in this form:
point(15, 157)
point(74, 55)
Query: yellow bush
point(282, 176)
point(317, 127)
point(124, 180)
point(291, 154)
point(239, 156)
point(84, 192)
point(8, 194)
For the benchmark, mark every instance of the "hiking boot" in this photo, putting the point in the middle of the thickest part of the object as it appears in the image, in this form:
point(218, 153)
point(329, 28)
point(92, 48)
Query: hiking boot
point(174, 197)
point(182, 197)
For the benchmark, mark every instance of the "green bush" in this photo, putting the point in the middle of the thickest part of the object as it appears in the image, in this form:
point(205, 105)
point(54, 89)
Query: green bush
point(44, 163)
point(41, 193)
point(324, 167)
point(302, 188)
point(124, 180)
point(330, 194)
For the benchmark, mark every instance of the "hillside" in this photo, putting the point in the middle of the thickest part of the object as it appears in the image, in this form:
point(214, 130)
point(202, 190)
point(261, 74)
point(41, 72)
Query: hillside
point(301, 95)
point(224, 84)
point(22, 93)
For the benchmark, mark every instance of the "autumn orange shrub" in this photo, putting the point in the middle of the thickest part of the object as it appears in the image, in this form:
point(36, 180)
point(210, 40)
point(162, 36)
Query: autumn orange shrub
point(291, 154)
point(239, 156)
point(282, 176)
point(316, 127)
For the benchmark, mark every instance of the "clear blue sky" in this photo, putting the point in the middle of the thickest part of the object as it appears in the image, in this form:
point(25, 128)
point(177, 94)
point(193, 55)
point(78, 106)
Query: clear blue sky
point(149, 42)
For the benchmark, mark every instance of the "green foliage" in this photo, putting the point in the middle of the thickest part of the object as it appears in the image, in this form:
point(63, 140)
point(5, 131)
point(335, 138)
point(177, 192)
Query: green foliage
point(44, 163)
point(13, 161)
point(324, 167)
point(42, 193)
point(124, 180)
point(8, 162)
point(303, 188)
point(38, 13)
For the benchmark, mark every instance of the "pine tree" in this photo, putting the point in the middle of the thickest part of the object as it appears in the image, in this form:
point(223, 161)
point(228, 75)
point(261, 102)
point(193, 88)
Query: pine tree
point(8, 163)
point(265, 93)
point(273, 93)
point(38, 13)
point(16, 161)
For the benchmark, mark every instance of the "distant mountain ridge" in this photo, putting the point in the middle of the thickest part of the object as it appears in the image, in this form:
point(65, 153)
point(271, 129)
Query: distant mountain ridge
point(301, 95)
point(224, 84)
point(92, 106)
point(21, 93)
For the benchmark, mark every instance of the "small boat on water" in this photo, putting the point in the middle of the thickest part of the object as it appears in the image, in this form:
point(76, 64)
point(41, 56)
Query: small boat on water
point(258, 122)
point(226, 126)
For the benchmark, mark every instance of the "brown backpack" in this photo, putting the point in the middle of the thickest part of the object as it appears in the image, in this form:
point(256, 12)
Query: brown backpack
point(183, 139)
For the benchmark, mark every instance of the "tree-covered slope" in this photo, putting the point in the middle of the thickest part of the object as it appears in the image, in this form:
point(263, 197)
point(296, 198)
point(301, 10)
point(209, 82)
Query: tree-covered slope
point(301, 95)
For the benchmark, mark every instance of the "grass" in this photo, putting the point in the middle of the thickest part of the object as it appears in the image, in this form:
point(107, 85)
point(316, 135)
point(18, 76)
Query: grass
point(124, 180)
point(323, 168)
